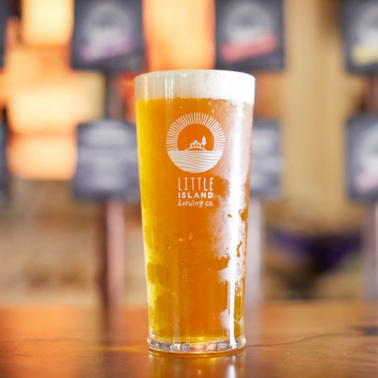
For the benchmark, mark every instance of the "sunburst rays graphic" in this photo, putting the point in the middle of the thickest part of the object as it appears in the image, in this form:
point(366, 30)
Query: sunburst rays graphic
point(195, 161)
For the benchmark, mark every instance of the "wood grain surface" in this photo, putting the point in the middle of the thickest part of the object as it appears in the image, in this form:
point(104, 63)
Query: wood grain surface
point(300, 339)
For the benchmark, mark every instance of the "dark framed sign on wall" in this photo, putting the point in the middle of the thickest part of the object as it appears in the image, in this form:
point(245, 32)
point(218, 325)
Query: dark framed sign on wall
point(5, 10)
point(359, 24)
point(250, 35)
point(267, 161)
point(107, 165)
point(362, 158)
point(108, 36)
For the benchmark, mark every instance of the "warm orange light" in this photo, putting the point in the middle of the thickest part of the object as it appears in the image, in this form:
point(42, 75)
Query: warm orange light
point(47, 22)
point(129, 93)
point(23, 67)
point(45, 102)
point(3, 92)
point(27, 65)
point(58, 105)
point(179, 34)
point(43, 158)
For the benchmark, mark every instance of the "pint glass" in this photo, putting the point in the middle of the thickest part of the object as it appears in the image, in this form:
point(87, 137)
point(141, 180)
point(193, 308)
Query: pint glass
point(194, 132)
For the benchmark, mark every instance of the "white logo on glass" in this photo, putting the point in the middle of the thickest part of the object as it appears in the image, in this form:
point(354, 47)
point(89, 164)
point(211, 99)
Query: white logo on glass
point(197, 157)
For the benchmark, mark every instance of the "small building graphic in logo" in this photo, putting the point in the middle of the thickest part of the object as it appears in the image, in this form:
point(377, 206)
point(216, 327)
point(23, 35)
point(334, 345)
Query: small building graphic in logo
point(196, 146)
point(186, 152)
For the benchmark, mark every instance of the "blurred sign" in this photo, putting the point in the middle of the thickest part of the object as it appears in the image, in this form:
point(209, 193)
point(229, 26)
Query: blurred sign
point(4, 14)
point(4, 174)
point(266, 167)
point(362, 158)
point(359, 20)
point(250, 35)
point(107, 166)
point(108, 36)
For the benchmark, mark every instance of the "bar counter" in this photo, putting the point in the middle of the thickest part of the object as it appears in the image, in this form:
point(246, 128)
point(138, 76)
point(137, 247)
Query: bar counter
point(287, 339)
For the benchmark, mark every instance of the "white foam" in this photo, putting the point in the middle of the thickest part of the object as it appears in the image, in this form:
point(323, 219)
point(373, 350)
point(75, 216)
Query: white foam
point(211, 84)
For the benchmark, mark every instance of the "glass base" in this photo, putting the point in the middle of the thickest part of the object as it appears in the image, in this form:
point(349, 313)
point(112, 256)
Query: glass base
point(198, 348)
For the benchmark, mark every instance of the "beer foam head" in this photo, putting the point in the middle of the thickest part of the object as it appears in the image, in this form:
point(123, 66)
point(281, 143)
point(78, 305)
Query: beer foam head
point(211, 84)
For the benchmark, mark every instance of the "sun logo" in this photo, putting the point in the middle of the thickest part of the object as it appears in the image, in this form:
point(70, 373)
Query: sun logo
point(183, 145)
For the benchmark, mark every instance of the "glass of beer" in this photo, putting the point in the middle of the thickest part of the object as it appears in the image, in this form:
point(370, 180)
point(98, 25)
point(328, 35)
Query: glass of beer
point(194, 132)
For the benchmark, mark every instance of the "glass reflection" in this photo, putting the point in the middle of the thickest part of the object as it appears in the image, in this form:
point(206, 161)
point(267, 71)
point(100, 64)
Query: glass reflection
point(223, 366)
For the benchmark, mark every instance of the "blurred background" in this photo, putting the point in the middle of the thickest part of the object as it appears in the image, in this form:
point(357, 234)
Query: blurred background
point(69, 62)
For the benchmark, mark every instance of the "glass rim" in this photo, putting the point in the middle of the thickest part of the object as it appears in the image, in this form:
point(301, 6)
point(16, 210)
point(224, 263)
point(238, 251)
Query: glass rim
point(209, 84)
point(157, 74)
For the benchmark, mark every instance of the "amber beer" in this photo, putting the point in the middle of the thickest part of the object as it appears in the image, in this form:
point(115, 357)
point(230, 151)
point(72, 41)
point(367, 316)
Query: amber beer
point(194, 139)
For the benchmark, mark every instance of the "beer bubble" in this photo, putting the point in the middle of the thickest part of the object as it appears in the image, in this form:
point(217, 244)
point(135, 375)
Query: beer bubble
point(190, 236)
point(181, 240)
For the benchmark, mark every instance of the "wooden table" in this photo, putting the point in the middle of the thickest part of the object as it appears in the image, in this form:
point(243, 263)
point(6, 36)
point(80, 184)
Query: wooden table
point(293, 340)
